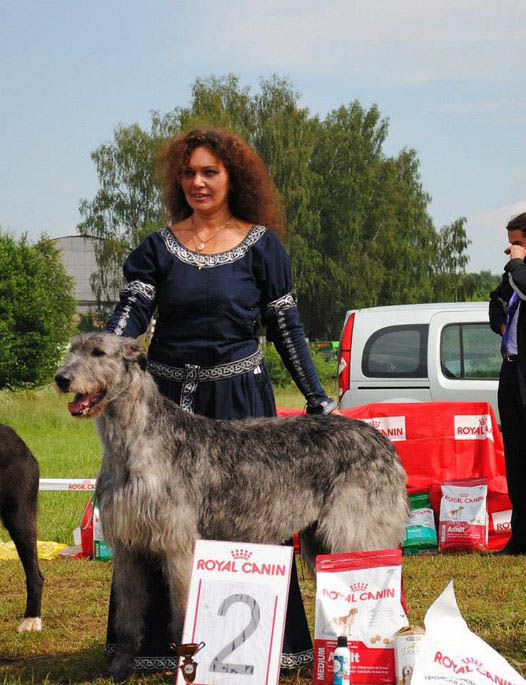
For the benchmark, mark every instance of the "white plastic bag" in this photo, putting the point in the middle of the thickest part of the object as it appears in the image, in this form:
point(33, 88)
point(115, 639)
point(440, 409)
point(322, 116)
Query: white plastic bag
point(451, 653)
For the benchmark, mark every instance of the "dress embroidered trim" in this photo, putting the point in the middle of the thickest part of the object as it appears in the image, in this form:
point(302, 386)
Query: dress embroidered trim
point(301, 379)
point(208, 261)
point(285, 302)
point(130, 292)
point(208, 373)
point(147, 663)
point(191, 375)
point(126, 311)
point(145, 289)
point(167, 663)
point(190, 383)
point(290, 661)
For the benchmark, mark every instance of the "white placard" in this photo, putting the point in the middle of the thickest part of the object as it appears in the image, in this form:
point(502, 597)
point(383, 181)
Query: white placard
point(71, 484)
point(473, 427)
point(237, 605)
point(392, 427)
point(502, 521)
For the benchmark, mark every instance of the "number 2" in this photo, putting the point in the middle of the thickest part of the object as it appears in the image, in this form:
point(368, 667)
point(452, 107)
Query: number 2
point(217, 665)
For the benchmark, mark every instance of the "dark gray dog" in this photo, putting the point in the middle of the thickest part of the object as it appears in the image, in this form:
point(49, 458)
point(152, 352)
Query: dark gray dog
point(169, 478)
point(19, 479)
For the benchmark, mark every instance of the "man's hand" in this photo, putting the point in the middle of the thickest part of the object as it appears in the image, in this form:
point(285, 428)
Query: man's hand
point(516, 252)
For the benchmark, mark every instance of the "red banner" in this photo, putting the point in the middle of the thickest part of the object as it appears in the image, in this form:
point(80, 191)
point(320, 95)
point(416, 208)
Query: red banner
point(443, 441)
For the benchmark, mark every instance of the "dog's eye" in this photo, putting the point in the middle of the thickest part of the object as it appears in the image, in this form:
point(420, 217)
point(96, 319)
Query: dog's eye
point(97, 352)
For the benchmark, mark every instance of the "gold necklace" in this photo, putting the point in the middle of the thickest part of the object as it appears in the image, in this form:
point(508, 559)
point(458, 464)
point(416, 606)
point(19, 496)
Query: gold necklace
point(200, 246)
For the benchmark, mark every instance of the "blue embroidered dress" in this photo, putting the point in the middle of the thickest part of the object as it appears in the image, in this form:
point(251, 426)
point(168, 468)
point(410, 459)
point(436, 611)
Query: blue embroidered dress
point(208, 315)
point(204, 355)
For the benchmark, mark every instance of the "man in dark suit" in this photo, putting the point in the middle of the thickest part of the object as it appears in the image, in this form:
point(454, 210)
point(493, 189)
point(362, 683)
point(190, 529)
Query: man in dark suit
point(507, 313)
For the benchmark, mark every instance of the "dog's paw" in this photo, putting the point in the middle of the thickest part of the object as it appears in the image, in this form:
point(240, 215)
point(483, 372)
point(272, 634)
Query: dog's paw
point(121, 667)
point(30, 624)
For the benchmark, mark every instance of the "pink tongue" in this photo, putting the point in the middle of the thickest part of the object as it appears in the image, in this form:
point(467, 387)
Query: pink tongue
point(80, 403)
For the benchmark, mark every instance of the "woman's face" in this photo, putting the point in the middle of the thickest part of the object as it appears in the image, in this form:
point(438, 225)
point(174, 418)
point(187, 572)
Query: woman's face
point(205, 182)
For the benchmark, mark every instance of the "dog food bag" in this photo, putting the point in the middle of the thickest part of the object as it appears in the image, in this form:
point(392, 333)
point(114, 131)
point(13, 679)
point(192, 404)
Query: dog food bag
point(86, 530)
point(420, 530)
point(358, 596)
point(463, 523)
point(450, 654)
point(101, 550)
point(407, 642)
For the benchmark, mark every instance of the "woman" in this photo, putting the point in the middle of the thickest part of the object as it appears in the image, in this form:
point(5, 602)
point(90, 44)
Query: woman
point(212, 275)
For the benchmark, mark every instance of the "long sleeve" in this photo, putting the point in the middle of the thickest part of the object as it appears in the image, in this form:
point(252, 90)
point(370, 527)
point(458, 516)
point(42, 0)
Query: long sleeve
point(284, 329)
point(498, 304)
point(516, 270)
point(137, 299)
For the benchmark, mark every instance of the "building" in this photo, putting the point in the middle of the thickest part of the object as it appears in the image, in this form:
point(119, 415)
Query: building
point(78, 256)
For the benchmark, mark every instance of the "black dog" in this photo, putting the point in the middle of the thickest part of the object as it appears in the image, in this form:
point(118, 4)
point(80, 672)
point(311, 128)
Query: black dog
point(19, 478)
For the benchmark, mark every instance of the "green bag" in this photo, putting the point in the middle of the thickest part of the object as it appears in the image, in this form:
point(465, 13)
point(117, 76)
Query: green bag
point(101, 549)
point(420, 530)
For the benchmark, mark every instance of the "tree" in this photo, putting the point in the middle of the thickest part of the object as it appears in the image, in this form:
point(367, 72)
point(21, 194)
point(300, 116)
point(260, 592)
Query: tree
point(481, 284)
point(450, 281)
point(359, 233)
point(405, 231)
point(219, 102)
point(127, 205)
point(285, 136)
point(36, 310)
point(378, 239)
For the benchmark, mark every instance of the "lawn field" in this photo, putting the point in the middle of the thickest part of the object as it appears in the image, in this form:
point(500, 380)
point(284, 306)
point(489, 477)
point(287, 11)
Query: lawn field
point(490, 590)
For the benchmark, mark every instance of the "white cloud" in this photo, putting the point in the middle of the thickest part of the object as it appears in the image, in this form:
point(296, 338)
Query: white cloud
point(487, 231)
point(402, 42)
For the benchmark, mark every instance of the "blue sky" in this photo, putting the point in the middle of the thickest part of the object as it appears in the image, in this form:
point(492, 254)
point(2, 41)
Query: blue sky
point(449, 74)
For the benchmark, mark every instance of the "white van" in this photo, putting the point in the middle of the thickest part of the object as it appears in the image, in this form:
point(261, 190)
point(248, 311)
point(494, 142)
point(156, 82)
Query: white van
point(419, 353)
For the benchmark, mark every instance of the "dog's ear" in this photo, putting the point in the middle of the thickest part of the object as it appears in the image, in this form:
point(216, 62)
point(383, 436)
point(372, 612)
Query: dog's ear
point(132, 352)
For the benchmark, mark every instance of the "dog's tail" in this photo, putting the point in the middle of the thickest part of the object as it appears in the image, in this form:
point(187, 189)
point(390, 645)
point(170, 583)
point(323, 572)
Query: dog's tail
point(363, 515)
point(366, 507)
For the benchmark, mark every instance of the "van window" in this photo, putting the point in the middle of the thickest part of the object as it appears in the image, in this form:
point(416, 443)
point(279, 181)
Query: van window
point(470, 351)
point(396, 352)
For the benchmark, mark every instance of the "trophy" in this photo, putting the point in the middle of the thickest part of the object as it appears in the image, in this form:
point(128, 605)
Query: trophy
point(186, 651)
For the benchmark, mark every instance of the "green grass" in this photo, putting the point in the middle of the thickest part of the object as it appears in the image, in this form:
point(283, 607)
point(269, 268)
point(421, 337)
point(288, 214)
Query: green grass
point(490, 590)
point(289, 396)
point(69, 649)
point(65, 448)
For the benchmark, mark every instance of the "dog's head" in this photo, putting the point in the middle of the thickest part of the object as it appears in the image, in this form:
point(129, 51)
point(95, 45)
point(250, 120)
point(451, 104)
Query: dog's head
point(98, 367)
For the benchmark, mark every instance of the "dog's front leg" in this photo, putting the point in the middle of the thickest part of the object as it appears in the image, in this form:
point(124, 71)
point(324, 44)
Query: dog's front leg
point(178, 571)
point(129, 584)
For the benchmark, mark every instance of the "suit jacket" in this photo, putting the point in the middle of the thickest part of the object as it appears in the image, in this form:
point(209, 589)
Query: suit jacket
point(513, 279)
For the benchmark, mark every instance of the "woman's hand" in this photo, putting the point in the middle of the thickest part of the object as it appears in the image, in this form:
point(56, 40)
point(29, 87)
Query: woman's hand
point(337, 412)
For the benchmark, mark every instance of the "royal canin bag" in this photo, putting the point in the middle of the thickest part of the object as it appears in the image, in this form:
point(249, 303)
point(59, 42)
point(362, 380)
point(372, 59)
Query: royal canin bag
point(86, 529)
point(463, 523)
point(359, 596)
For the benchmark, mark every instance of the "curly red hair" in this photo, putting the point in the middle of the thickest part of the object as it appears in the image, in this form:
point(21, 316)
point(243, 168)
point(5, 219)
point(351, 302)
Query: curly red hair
point(252, 197)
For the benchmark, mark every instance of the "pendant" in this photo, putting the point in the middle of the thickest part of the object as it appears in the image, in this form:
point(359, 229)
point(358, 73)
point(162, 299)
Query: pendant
point(200, 246)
